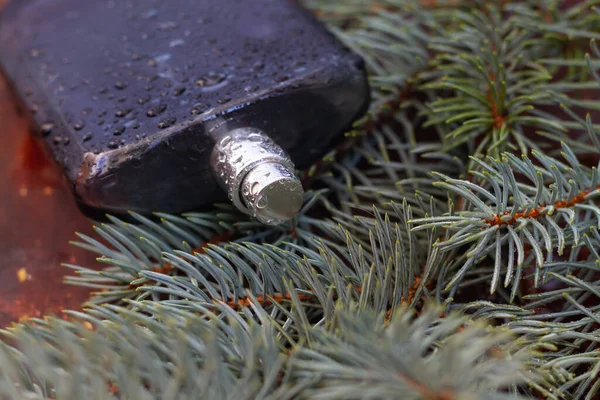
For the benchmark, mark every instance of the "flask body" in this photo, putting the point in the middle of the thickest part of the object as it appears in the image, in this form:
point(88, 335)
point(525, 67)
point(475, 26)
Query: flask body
point(131, 96)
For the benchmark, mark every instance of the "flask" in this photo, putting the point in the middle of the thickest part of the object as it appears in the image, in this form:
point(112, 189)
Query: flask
point(169, 106)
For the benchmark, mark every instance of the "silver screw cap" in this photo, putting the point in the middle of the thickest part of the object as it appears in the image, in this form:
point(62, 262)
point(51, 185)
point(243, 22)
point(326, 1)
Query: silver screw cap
point(258, 176)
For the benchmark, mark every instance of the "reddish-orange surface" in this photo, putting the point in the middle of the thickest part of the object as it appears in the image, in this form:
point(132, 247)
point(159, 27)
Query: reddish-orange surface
point(38, 217)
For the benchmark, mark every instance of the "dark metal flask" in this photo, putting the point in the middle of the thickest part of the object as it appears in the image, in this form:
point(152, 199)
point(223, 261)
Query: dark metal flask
point(156, 105)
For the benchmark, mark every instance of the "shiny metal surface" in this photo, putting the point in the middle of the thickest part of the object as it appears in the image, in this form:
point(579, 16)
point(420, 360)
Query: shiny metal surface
point(257, 175)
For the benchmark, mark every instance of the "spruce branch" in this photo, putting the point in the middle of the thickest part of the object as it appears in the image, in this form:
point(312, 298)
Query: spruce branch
point(373, 364)
point(495, 91)
point(573, 106)
point(216, 352)
point(384, 167)
point(156, 264)
point(536, 211)
point(153, 352)
point(563, 320)
point(566, 32)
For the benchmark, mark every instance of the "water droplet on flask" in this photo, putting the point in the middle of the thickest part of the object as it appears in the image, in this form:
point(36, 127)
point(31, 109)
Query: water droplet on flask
point(198, 108)
point(212, 79)
point(120, 85)
point(153, 112)
point(176, 43)
point(165, 123)
point(150, 14)
point(46, 129)
point(122, 113)
point(178, 91)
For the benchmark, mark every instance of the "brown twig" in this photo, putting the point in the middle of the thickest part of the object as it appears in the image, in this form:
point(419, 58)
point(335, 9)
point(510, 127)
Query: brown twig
point(536, 212)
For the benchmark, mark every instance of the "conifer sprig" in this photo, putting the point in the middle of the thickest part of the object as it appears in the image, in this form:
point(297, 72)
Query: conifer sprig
point(551, 207)
point(216, 352)
point(343, 265)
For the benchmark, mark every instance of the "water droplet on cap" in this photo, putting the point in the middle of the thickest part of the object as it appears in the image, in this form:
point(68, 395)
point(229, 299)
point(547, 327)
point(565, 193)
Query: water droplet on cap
point(225, 141)
point(262, 202)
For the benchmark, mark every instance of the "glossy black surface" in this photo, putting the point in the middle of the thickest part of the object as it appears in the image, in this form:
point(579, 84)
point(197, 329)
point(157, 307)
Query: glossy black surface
point(130, 95)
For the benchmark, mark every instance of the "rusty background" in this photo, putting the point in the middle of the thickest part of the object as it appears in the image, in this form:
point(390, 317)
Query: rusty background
point(38, 218)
